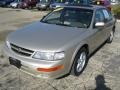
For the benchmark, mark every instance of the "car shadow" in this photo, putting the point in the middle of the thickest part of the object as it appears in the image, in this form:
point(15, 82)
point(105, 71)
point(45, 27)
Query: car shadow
point(100, 83)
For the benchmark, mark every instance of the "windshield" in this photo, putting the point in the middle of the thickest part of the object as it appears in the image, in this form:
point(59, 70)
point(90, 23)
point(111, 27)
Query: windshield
point(72, 17)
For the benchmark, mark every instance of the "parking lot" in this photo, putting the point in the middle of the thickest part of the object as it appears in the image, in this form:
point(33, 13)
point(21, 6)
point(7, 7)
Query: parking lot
point(102, 72)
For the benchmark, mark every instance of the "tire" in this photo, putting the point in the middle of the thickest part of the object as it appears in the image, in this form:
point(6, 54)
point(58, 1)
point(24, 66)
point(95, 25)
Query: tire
point(79, 65)
point(110, 39)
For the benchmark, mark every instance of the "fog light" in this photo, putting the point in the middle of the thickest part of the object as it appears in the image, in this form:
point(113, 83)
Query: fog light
point(50, 69)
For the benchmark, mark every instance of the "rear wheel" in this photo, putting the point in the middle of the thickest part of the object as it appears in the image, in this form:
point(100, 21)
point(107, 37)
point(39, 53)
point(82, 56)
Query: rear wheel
point(80, 62)
point(110, 39)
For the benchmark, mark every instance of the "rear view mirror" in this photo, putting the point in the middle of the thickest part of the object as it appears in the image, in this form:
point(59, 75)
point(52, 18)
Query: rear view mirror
point(99, 24)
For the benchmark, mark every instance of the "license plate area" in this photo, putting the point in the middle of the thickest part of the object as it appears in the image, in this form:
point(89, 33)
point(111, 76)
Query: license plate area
point(15, 62)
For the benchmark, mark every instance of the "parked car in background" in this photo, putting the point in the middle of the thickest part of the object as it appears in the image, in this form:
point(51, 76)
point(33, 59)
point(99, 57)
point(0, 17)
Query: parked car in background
point(44, 4)
point(106, 3)
point(61, 3)
point(81, 2)
point(28, 4)
point(115, 2)
point(4, 3)
point(58, 3)
point(61, 42)
point(15, 4)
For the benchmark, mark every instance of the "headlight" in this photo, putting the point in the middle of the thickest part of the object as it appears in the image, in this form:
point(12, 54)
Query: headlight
point(59, 55)
point(49, 55)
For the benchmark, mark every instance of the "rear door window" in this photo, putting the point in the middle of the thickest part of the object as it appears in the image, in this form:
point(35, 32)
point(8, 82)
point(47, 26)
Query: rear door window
point(107, 15)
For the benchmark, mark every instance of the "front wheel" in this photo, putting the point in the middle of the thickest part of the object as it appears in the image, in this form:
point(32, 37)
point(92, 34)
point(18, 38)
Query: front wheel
point(80, 62)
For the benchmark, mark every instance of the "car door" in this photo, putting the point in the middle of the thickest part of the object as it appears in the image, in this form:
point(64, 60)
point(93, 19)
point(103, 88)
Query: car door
point(109, 23)
point(98, 35)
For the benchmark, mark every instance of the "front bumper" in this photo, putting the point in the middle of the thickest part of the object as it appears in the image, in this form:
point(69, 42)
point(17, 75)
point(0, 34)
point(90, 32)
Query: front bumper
point(30, 65)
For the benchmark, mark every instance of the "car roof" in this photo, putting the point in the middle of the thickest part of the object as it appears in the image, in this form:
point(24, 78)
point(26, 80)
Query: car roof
point(90, 7)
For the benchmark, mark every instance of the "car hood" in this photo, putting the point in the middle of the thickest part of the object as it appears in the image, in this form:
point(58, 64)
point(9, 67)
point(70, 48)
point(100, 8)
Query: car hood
point(42, 36)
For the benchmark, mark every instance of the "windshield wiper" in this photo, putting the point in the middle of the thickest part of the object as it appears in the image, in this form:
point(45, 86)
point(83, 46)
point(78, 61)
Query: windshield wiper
point(63, 24)
point(46, 22)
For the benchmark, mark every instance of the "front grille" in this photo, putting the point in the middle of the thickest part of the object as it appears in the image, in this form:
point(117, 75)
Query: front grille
point(21, 51)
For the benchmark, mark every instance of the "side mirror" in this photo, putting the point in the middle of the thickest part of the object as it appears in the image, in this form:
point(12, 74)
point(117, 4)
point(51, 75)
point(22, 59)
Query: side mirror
point(99, 24)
